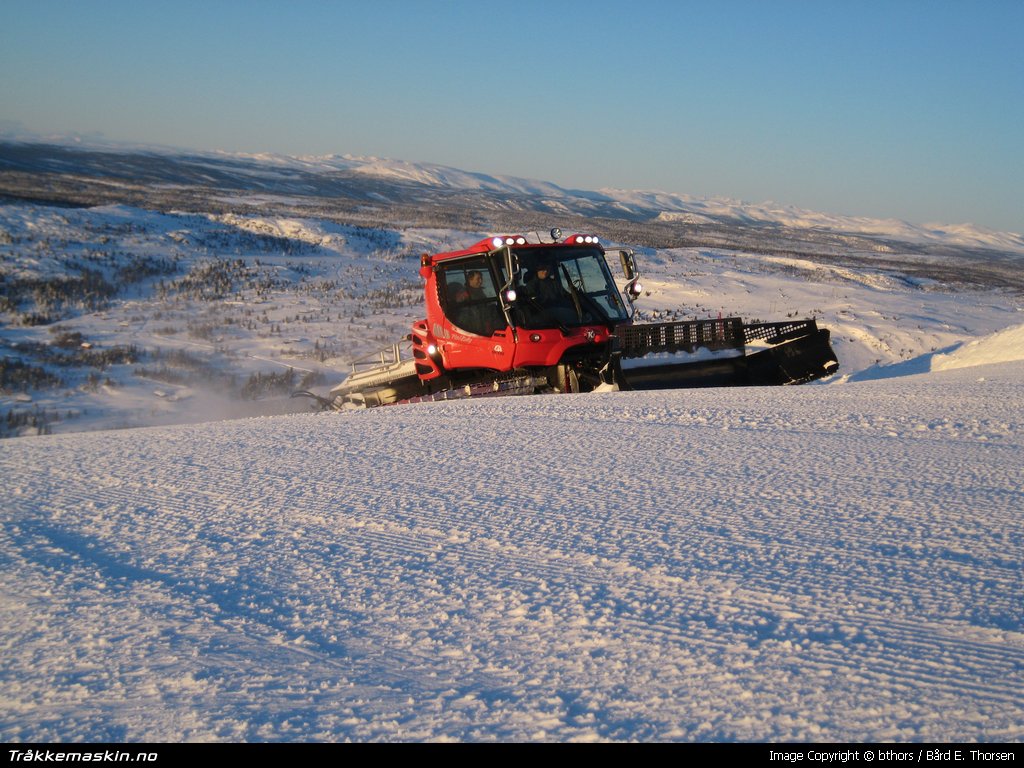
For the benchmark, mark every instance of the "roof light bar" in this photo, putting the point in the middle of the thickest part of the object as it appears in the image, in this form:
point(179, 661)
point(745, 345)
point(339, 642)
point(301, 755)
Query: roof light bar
point(502, 241)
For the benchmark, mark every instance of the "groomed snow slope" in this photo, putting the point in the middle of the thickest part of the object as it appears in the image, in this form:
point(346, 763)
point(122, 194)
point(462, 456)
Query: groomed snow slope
point(810, 563)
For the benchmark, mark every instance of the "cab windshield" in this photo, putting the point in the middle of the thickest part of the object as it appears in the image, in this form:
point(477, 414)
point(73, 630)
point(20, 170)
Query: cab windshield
point(565, 287)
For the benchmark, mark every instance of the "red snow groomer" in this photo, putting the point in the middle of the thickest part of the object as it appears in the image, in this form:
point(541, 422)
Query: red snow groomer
point(511, 316)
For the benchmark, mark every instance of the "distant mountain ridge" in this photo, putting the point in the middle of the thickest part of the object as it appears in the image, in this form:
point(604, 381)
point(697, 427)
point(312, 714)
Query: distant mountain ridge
point(404, 182)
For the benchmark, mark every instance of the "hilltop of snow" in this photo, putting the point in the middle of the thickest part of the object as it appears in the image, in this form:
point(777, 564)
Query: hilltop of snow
point(1005, 346)
point(667, 206)
point(693, 210)
point(675, 207)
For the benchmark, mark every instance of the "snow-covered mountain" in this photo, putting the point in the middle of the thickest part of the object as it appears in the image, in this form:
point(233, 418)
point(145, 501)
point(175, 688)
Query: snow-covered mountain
point(401, 180)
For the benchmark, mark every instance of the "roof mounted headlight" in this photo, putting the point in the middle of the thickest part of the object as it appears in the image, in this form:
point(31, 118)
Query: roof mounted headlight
point(497, 242)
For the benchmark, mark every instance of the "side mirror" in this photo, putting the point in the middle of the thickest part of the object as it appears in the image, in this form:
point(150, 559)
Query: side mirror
point(628, 264)
point(633, 288)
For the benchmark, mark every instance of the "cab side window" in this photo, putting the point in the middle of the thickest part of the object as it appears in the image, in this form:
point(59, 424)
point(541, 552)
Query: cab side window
point(470, 299)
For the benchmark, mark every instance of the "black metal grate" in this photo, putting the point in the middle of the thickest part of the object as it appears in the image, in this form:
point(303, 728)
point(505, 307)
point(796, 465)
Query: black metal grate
point(686, 336)
point(690, 335)
point(774, 333)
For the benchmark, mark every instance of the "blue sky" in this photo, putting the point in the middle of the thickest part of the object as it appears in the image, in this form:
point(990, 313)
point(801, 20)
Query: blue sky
point(904, 108)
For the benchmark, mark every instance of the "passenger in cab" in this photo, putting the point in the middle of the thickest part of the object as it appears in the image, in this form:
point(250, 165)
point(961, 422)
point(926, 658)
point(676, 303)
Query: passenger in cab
point(475, 286)
point(547, 301)
point(476, 308)
point(544, 287)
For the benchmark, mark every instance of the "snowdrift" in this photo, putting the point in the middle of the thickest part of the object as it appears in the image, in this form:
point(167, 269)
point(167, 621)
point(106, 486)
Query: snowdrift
point(1005, 346)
